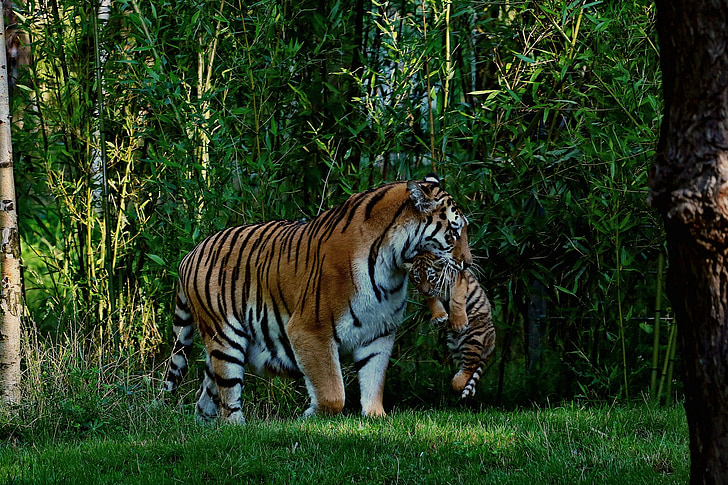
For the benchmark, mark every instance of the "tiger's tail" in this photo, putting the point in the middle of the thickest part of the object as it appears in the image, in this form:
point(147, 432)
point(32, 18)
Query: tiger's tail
point(184, 333)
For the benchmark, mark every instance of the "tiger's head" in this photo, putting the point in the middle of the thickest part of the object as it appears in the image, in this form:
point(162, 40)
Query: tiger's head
point(444, 232)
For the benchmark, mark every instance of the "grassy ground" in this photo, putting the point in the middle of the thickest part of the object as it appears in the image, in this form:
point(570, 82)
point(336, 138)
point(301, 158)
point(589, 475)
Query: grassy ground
point(569, 444)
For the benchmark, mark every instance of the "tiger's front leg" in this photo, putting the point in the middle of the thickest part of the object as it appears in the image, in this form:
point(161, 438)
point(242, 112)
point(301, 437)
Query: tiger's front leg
point(317, 355)
point(371, 361)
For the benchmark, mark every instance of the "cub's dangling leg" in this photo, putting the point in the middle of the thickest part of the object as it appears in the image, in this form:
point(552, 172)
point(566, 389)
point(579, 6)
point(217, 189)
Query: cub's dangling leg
point(458, 306)
point(437, 310)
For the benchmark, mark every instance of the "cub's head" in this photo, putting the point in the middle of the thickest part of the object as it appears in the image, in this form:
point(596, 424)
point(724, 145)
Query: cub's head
point(432, 276)
point(443, 231)
point(423, 273)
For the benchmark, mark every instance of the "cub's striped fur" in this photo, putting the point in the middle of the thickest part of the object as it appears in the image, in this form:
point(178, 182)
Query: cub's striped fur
point(286, 298)
point(470, 334)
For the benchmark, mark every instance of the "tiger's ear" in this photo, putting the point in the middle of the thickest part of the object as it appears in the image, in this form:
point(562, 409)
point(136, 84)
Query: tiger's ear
point(407, 266)
point(421, 196)
point(432, 178)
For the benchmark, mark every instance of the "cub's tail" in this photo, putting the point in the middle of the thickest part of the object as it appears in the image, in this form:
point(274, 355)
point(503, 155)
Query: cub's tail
point(184, 333)
point(487, 353)
point(469, 389)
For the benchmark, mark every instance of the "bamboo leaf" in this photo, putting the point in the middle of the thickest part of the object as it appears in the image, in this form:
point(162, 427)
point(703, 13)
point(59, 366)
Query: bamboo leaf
point(525, 59)
point(157, 259)
point(565, 290)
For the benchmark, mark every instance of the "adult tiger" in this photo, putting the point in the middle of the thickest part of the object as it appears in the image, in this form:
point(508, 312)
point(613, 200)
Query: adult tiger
point(285, 298)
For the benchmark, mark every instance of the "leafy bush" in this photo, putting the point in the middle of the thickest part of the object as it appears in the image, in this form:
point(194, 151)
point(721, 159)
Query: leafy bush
point(540, 117)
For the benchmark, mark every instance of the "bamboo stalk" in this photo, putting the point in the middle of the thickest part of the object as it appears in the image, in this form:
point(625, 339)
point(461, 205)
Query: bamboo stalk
point(204, 86)
point(671, 342)
point(448, 75)
point(621, 318)
point(572, 48)
point(448, 54)
point(103, 12)
point(429, 89)
point(256, 115)
point(656, 329)
point(671, 366)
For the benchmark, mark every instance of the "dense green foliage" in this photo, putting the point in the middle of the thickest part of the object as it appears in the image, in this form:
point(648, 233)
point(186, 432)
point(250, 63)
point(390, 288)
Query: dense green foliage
point(541, 118)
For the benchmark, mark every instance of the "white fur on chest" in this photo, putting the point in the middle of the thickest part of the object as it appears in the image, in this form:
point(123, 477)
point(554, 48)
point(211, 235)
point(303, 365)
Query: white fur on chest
point(368, 316)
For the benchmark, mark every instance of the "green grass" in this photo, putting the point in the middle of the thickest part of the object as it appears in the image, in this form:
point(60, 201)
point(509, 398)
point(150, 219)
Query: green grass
point(158, 444)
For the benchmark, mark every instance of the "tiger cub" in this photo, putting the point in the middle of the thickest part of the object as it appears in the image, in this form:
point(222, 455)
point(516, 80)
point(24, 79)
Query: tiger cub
point(470, 333)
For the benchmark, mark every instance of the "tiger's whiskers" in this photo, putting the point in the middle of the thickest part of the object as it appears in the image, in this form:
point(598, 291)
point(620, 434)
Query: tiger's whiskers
point(448, 274)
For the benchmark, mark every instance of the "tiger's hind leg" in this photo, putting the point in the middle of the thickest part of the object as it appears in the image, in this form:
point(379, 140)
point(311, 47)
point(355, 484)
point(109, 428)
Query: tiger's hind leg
point(228, 368)
point(473, 351)
point(488, 347)
point(224, 370)
point(208, 401)
point(184, 333)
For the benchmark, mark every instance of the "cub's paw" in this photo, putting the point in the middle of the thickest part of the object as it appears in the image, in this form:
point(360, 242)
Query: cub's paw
point(458, 323)
point(439, 319)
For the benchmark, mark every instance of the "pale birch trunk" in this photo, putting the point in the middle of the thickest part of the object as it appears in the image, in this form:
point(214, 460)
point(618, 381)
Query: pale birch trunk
point(98, 179)
point(11, 290)
point(100, 190)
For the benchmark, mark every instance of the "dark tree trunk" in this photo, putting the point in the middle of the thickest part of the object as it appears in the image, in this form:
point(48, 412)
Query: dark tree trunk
point(689, 186)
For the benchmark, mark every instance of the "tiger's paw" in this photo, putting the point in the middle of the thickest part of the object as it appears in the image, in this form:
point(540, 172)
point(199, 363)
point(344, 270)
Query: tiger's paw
point(458, 322)
point(439, 319)
point(236, 417)
point(374, 412)
point(311, 411)
point(206, 409)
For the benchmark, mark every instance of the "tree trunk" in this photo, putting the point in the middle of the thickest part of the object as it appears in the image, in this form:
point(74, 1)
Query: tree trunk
point(11, 301)
point(689, 187)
